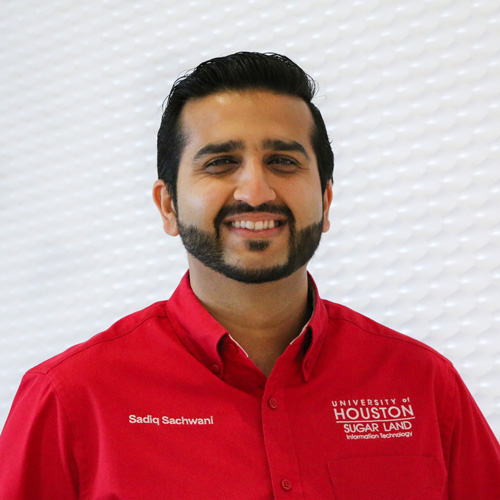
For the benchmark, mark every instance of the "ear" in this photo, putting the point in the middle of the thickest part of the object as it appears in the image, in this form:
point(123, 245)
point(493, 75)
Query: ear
point(327, 201)
point(165, 205)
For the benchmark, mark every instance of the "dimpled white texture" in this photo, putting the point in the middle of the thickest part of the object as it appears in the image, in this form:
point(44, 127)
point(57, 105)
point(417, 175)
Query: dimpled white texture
point(410, 92)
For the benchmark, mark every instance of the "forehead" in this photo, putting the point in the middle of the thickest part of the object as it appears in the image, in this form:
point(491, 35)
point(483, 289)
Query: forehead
point(247, 116)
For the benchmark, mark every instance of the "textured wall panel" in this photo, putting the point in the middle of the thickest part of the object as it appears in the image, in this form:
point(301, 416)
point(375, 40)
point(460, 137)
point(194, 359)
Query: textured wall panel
point(410, 92)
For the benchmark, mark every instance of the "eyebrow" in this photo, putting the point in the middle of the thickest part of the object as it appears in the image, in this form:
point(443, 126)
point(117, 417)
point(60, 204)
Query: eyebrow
point(279, 145)
point(219, 147)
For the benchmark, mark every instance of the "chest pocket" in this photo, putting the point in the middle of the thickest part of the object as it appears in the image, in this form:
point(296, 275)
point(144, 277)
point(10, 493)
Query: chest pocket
point(388, 478)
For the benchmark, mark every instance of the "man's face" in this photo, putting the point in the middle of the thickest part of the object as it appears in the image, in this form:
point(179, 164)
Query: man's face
point(249, 201)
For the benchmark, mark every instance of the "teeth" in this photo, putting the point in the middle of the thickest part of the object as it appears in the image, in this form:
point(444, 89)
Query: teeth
point(255, 226)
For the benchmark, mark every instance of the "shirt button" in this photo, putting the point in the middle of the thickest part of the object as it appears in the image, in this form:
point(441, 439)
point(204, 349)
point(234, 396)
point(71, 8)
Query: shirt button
point(215, 368)
point(286, 484)
point(273, 404)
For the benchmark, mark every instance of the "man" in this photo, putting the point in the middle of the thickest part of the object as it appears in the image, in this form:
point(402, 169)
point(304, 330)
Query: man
point(246, 384)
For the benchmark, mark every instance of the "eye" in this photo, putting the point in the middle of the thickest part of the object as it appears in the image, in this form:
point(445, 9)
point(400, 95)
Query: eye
point(220, 165)
point(284, 164)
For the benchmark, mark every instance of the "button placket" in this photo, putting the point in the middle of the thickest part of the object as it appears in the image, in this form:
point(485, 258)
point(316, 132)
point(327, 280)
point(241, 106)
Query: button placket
point(279, 443)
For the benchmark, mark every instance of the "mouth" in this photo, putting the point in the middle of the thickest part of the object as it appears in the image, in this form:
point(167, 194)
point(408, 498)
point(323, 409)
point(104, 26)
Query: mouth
point(251, 225)
point(246, 221)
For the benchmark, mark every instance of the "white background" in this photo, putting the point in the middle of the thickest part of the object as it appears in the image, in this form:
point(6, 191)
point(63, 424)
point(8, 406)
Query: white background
point(410, 91)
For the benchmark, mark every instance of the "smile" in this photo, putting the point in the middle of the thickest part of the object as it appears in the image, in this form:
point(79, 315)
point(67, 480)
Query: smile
point(255, 226)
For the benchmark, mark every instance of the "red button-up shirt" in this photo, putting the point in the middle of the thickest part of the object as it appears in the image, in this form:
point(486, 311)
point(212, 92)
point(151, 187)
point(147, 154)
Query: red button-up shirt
point(165, 405)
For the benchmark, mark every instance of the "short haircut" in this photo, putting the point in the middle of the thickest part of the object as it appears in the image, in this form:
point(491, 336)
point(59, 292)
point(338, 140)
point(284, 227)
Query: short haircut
point(240, 71)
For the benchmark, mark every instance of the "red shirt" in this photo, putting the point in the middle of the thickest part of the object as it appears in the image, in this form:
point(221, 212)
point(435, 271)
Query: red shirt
point(164, 405)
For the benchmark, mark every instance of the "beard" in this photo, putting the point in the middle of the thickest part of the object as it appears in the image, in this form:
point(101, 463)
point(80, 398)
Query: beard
point(208, 247)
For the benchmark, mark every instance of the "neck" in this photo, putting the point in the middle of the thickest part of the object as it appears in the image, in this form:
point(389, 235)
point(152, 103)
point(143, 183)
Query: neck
point(262, 318)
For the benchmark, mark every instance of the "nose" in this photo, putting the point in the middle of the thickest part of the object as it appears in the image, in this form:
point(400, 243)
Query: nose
point(253, 185)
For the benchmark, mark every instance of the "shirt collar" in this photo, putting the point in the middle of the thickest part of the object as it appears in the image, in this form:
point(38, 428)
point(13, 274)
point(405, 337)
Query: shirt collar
point(201, 333)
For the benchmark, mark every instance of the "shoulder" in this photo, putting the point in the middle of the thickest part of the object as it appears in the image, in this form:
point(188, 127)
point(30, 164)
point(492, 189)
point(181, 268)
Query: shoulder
point(369, 335)
point(121, 334)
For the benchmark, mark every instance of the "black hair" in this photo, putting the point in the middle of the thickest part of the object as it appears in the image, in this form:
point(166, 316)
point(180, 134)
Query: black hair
point(239, 71)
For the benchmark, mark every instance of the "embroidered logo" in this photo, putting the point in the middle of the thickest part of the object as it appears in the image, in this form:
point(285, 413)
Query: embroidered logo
point(374, 418)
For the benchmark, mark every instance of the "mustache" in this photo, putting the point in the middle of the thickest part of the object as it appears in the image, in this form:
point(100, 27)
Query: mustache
point(245, 208)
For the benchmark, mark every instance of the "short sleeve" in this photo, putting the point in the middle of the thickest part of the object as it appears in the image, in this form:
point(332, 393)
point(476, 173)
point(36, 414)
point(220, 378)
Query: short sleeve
point(35, 446)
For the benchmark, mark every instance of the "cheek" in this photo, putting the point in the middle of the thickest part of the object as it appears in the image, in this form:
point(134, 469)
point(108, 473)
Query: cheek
point(307, 207)
point(197, 207)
